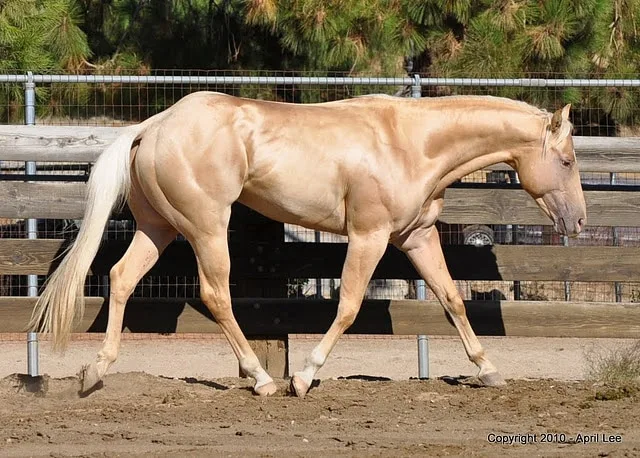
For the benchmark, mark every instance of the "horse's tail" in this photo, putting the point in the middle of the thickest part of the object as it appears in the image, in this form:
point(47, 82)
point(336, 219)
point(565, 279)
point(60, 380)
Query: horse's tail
point(62, 301)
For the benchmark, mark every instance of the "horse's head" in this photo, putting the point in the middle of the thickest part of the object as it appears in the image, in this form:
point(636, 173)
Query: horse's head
point(551, 175)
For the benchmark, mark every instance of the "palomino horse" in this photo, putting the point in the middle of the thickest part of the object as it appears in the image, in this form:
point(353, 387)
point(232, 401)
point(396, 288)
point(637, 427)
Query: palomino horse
point(373, 168)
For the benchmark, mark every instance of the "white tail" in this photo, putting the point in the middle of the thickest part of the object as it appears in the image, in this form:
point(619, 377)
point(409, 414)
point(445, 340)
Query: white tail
point(62, 301)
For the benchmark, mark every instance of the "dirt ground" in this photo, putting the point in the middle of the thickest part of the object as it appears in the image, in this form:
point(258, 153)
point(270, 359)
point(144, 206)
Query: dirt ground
point(136, 414)
point(190, 406)
point(209, 356)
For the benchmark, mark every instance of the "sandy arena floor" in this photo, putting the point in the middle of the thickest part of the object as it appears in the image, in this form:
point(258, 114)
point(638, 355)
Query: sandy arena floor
point(168, 397)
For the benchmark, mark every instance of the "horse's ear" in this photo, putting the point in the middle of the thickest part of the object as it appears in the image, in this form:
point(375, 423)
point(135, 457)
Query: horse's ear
point(559, 116)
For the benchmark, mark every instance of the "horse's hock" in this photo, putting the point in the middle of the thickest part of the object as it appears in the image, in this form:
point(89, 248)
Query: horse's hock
point(263, 263)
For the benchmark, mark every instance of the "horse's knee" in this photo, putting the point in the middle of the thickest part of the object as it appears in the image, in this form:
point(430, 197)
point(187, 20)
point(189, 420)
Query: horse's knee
point(456, 305)
point(451, 301)
point(216, 301)
point(346, 316)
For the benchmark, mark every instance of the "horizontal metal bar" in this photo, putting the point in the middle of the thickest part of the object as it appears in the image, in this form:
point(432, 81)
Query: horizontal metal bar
point(231, 80)
point(13, 78)
point(530, 82)
point(321, 80)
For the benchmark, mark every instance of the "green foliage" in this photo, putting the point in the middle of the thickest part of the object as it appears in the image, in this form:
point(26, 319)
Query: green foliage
point(486, 38)
point(459, 37)
point(41, 35)
point(488, 50)
point(356, 35)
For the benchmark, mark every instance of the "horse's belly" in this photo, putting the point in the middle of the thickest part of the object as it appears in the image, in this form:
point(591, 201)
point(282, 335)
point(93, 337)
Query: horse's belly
point(294, 204)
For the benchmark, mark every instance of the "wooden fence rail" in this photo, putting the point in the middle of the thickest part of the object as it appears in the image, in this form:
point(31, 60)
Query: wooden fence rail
point(60, 200)
point(270, 260)
point(278, 317)
point(85, 143)
point(255, 260)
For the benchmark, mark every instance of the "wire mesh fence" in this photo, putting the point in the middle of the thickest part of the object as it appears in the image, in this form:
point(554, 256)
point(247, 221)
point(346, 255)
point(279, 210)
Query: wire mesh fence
point(598, 109)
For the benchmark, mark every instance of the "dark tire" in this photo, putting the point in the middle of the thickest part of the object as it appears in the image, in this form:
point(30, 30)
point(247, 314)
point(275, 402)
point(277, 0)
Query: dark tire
point(478, 235)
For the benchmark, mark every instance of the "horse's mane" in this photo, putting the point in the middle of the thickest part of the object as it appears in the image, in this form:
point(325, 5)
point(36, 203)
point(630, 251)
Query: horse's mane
point(479, 98)
point(502, 100)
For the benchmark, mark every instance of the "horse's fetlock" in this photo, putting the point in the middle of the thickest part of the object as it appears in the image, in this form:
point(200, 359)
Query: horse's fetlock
point(250, 366)
point(108, 356)
point(477, 357)
point(316, 358)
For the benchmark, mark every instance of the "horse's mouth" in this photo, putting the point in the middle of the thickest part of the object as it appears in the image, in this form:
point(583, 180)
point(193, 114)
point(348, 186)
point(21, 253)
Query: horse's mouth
point(563, 227)
point(564, 230)
point(559, 222)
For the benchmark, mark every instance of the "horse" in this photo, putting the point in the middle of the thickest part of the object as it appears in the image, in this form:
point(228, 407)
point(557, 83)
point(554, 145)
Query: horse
point(372, 168)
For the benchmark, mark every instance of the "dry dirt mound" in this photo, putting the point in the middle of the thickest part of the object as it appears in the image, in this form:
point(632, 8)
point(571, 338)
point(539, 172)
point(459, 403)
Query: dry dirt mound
point(135, 414)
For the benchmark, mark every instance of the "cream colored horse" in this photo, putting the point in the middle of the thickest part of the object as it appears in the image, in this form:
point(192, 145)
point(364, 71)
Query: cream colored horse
point(372, 168)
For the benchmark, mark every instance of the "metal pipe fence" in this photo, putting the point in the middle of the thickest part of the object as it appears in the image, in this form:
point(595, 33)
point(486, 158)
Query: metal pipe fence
point(325, 80)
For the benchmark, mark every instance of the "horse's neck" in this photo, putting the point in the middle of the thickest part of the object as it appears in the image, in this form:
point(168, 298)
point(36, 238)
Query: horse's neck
point(476, 137)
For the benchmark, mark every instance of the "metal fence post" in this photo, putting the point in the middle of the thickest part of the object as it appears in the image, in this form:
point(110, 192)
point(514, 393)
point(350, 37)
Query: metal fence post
point(613, 177)
point(517, 286)
point(567, 285)
point(105, 278)
point(318, 239)
point(32, 224)
point(421, 287)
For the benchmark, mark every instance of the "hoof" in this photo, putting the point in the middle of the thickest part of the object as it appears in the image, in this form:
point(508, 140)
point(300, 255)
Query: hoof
point(267, 389)
point(492, 379)
point(299, 386)
point(89, 378)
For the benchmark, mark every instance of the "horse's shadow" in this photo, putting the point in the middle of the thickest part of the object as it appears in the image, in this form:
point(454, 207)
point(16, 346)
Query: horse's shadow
point(207, 383)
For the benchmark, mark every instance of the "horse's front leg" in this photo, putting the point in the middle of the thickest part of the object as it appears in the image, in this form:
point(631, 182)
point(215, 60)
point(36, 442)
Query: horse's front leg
point(363, 253)
point(425, 252)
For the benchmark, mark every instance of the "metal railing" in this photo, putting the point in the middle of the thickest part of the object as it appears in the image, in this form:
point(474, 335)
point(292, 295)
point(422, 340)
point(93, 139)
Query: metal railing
point(322, 80)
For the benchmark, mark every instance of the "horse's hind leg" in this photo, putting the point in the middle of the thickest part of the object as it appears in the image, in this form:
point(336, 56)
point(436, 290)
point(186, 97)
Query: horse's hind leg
point(148, 243)
point(212, 252)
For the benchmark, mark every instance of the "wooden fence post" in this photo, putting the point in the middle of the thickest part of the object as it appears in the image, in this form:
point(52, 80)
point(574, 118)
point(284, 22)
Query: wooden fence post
point(246, 224)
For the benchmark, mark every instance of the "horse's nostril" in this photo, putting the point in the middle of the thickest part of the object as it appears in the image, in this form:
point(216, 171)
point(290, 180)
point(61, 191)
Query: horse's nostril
point(580, 222)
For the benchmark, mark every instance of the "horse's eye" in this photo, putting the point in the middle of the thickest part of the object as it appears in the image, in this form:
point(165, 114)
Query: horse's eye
point(566, 163)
